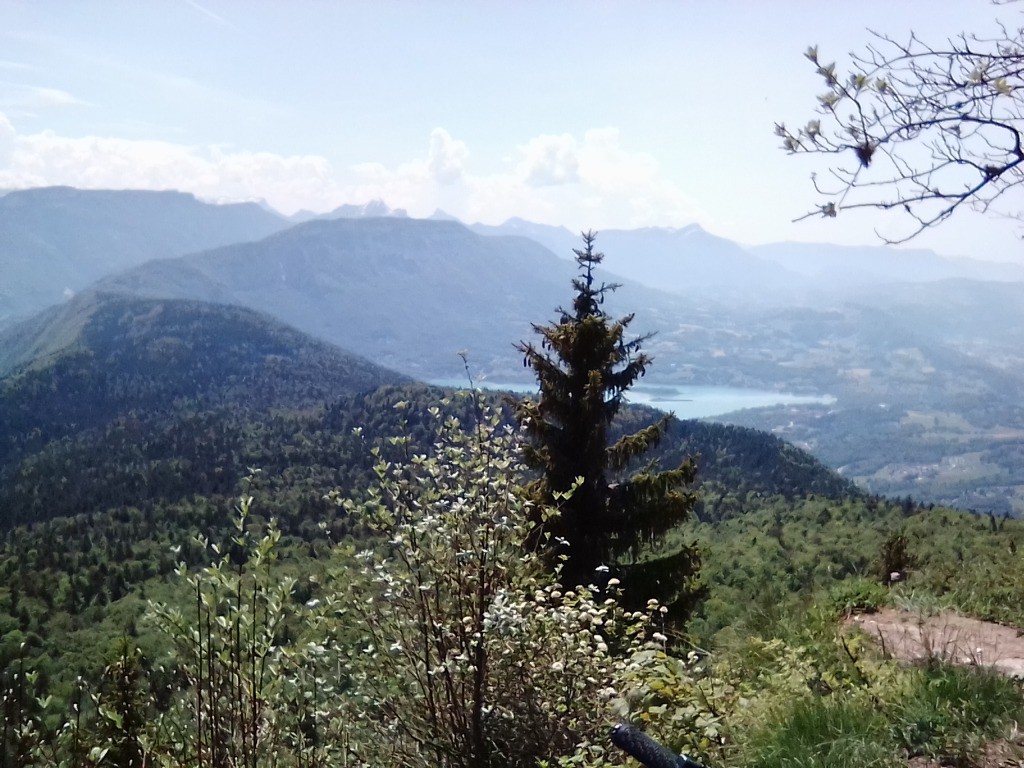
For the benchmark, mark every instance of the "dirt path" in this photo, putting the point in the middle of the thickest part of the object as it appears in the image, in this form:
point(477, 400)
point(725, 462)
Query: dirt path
point(948, 636)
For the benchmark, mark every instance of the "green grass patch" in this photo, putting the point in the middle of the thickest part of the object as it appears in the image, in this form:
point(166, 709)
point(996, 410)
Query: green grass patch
point(828, 732)
point(950, 711)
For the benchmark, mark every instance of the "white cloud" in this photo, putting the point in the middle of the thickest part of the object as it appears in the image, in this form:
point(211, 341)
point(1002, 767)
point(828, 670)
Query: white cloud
point(605, 165)
point(439, 175)
point(446, 157)
point(93, 162)
point(589, 182)
point(6, 141)
point(548, 160)
point(593, 182)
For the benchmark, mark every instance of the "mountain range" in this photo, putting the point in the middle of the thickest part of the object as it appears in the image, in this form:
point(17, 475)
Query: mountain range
point(136, 411)
point(408, 294)
point(692, 261)
point(904, 342)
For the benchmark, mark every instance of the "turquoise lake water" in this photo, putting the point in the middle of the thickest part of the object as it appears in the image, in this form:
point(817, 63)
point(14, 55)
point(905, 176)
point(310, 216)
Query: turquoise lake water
point(685, 401)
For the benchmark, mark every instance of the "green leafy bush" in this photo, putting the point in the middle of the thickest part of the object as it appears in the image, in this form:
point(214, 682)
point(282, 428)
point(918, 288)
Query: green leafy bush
point(858, 595)
point(684, 702)
point(256, 682)
point(460, 648)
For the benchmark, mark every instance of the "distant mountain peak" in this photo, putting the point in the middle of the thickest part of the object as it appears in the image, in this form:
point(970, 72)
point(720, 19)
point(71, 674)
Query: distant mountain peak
point(58, 238)
point(373, 209)
point(439, 215)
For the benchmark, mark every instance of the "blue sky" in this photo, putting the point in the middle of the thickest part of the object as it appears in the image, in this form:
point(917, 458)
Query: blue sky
point(591, 114)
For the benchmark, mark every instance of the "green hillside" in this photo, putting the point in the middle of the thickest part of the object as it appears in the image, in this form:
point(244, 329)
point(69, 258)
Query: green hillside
point(138, 427)
point(127, 445)
point(128, 368)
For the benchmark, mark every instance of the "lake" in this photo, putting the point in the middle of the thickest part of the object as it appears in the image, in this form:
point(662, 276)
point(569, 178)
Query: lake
point(685, 401)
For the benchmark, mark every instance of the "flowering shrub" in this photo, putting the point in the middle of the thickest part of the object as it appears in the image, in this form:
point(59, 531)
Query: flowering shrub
point(467, 653)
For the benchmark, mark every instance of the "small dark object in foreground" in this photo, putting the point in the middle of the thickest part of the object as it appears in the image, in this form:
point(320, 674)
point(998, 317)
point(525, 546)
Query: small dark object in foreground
point(638, 744)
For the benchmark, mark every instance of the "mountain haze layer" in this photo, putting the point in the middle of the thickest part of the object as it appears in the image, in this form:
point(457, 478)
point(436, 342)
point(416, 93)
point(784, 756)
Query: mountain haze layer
point(57, 240)
point(408, 294)
point(693, 262)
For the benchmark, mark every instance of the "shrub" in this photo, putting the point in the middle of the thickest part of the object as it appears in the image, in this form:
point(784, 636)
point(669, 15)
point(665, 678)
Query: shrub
point(256, 685)
point(895, 559)
point(462, 651)
point(858, 595)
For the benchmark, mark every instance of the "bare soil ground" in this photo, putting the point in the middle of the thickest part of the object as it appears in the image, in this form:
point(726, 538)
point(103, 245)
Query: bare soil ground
point(947, 636)
point(912, 637)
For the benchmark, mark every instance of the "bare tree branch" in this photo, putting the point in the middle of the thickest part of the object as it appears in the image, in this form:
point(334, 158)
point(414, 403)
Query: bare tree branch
point(918, 130)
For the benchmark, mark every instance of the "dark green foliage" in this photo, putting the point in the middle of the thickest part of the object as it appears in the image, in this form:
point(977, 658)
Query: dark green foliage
point(169, 389)
point(895, 559)
point(122, 707)
point(736, 461)
point(584, 365)
point(131, 496)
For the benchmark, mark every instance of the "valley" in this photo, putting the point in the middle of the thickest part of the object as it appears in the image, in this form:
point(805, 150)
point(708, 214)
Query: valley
point(903, 333)
point(511, 385)
point(158, 422)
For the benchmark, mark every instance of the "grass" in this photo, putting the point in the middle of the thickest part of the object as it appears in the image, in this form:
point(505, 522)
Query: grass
point(944, 712)
point(827, 732)
point(950, 711)
point(921, 602)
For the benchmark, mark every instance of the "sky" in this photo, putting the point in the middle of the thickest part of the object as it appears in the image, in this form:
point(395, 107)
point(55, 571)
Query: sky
point(592, 115)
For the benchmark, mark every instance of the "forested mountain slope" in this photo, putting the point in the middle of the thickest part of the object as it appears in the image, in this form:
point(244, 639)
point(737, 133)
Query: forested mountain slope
point(909, 349)
point(135, 367)
point(138, 435)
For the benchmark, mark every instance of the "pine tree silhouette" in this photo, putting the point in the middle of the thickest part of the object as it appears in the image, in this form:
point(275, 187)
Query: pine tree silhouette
point(616, 516)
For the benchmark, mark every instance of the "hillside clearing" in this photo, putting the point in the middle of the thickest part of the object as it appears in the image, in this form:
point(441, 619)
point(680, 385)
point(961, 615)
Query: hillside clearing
point(911, 636)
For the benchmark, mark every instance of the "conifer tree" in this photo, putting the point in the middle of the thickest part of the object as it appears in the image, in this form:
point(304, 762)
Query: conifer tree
point(614, 518)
